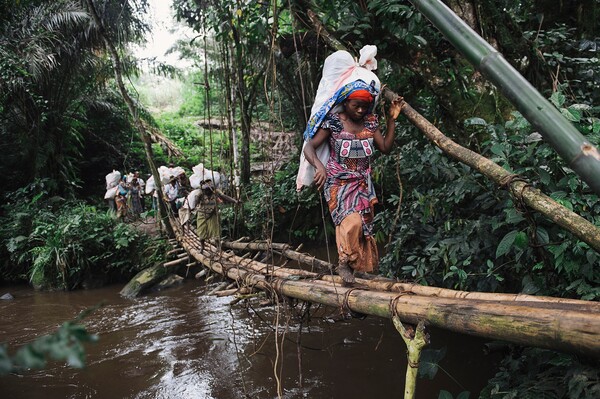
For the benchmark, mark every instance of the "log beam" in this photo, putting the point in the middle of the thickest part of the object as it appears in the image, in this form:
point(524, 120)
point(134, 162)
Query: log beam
point(385, 284)
point(557, 328)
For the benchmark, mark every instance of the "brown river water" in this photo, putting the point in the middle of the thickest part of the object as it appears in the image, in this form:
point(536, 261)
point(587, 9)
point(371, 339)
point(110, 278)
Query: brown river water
point(182, 343)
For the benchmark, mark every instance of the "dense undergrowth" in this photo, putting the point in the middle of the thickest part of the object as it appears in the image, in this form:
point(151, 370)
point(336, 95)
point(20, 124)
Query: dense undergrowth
point(66, 244)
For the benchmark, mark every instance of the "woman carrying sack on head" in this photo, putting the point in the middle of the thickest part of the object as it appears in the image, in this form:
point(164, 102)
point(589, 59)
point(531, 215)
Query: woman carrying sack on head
point(352, 131)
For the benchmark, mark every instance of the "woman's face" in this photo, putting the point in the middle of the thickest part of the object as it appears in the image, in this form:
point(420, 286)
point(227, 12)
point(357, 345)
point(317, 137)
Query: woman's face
point(357, 109)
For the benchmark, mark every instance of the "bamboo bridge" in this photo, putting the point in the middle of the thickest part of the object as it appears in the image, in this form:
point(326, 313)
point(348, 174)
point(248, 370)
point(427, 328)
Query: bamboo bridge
point(561, 324)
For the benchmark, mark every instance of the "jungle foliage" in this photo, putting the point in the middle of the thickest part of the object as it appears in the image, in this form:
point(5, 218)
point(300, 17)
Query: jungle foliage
point(439, 222)
point(49, 104)
point(59, 244)
point(538, 373)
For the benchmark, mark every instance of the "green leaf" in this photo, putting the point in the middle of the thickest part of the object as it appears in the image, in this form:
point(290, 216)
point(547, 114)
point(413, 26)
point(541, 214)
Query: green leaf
point(475, 121)
point(544, 176)
point(529, 287)
point(572, 115)
point(421, 40)
point(558, 99)
point(445, 395)
point(428, 364)
point(29, 358)
point(542, 236)
point(521, 240)
point(498, 149)
point(464, 395)
point(5, 362)
point(596, 125)
point(506, 243)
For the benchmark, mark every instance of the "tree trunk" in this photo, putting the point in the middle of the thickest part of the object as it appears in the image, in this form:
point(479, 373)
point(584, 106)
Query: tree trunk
point(245, 104)
point(533, 197)
point(230, 110)
point(136, 118)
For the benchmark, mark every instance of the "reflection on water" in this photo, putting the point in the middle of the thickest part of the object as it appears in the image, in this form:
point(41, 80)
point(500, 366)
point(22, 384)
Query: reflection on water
point(183, 344)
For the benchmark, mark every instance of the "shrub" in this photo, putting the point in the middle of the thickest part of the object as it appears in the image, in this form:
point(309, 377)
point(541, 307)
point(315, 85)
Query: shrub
point(59, 244)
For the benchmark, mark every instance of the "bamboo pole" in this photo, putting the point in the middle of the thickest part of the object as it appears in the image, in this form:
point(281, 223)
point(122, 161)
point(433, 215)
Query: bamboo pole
point(385, 284)
point(572, 146)
point(559, 329)
point(569, 220)
point(175, 262)
point(568, 330)
point(283, 249)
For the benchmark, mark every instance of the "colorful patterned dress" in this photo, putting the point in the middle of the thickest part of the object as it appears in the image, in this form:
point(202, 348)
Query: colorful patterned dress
point(349, 191)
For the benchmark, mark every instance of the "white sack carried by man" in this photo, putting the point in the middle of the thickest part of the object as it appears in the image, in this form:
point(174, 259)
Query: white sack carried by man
point(201, 174)
point(166, 173)
point(339, 69)
point(112, 179)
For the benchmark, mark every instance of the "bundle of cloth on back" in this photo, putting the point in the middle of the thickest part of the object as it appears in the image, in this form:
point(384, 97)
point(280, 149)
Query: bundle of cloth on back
point(339, 69)
point(339, 141)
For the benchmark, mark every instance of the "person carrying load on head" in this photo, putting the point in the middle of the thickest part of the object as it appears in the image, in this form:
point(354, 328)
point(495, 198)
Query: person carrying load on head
point(348, 130)
point(207, 214)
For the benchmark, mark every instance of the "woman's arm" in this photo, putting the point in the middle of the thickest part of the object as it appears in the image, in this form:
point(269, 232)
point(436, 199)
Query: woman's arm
point(311, 155)
point(385, 143)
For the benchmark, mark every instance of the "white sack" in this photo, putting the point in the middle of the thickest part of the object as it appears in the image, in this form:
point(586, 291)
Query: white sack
point(339, 69)
point(150, 186)
point(192, 198)
point(111, 192)
point(201, 173)
point(112, 179)
point(195, 180)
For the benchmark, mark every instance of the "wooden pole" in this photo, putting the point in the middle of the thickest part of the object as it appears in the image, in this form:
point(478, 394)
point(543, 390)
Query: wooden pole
point(415, 342)
point(532, 197)
point(283, 249)
point(552, 327)
point(175, 262)
point(385, 284)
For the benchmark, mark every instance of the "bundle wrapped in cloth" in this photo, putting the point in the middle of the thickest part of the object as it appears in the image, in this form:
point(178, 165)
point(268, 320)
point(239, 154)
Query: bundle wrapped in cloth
point(112, 181)
point(166, 173)
point(201, 174)
point(339, 69)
